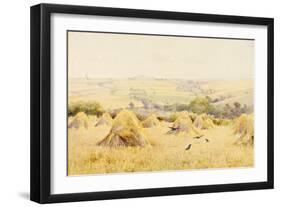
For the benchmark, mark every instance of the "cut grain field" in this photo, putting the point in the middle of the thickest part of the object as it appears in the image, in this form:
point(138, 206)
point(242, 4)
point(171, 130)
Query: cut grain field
point(167, 152)
point(144, 124)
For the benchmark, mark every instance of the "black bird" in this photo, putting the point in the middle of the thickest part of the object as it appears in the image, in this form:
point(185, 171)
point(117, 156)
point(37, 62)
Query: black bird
point(198, 137)
point(173, 129)
point(188, 147)
point(207, 140)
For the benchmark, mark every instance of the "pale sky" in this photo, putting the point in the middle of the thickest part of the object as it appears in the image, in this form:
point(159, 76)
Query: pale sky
point(104, 55)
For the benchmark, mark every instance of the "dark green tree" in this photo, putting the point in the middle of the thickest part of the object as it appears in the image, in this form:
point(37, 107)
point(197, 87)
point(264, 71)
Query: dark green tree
point(200, 105)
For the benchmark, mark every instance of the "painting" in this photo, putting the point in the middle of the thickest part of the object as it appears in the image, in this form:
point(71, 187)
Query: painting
point(149, 102)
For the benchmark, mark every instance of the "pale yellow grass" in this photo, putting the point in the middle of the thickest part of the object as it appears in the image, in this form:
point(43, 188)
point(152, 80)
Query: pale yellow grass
point(167, 152)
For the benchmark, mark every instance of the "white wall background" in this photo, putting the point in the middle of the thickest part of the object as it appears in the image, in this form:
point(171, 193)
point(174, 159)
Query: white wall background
point(14, 104)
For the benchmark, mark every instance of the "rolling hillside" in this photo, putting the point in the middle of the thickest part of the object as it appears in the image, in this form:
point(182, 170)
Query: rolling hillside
point(119, 93)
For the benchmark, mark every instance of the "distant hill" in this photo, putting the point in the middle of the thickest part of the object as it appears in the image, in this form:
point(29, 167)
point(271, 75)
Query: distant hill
point(118, 93)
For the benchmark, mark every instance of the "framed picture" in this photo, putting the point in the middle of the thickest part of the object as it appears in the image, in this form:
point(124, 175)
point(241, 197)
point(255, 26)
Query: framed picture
point(133, 103)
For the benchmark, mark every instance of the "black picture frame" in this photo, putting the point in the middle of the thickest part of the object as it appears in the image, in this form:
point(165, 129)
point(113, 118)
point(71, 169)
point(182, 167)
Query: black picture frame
point(41, 98)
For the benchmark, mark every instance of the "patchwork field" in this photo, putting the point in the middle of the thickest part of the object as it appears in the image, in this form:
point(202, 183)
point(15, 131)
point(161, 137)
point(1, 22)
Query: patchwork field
point(118, 93)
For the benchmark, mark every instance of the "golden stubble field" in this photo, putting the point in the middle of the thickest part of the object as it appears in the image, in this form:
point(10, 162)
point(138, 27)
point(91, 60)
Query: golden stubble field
point(166, 152)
